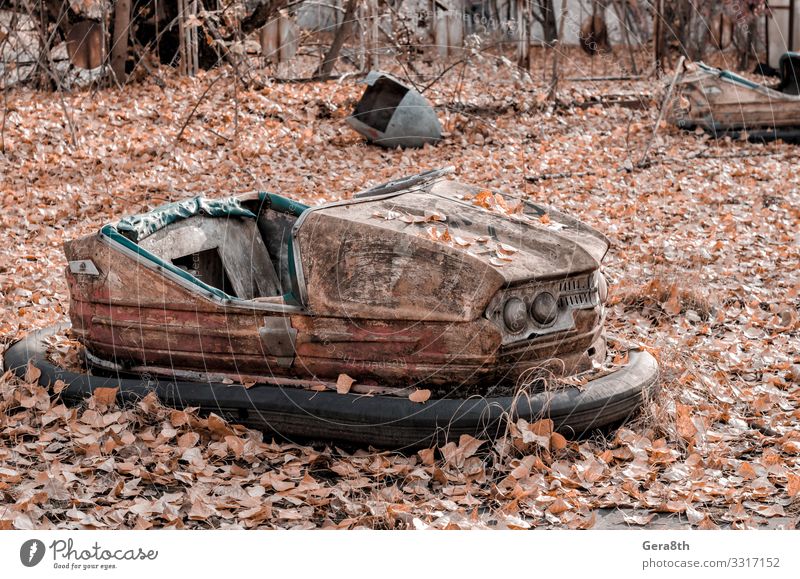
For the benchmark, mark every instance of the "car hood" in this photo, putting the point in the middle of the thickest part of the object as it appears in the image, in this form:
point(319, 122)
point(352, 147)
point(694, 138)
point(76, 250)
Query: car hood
point(518, 239)
point(548, 243)
point(436, 251)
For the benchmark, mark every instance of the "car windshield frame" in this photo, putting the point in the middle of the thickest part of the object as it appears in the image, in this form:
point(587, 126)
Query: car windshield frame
point(112, 235)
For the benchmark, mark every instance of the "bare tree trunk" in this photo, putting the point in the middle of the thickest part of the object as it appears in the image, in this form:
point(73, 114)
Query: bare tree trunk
point(622, 13)
point(557, 50)
point(195, 46)
point(658, 35)
point(326, 66)
point(547, 18)
point(119, 45)
point(187, 36)
point(183, 64)
point(749, 47)
point(523, 40)
point(373, 16)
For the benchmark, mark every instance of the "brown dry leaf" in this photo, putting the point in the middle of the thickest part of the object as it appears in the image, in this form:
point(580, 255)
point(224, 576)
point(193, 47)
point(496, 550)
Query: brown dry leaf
point(218, 426)
point(747, 471)
point(485, 199)
point(419, 396)
point(557, 442)
point(32, 374)
point(707, 524)
point(542, 427)
point(200, 511)
point(537, 432)
point(504, 248)
point(641, 520)
point(344, 383)
point(558, 506)
point(694, 516)
point(683, 419)
point(468, 445)
point(673, 305)
point(178, 418)
point(282, 485)
point(188, 440)
point(793, 485)
point(427, 456)
point(235, 444)
point(105, 396)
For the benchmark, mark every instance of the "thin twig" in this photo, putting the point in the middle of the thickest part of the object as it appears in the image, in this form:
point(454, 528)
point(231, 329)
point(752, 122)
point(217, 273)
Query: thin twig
point(5, 117)
point(220, 41)
point(565, 175)
point(604, 78)
point(197, 104)
point(48, 68)
point(455, 64)
point(664, 105)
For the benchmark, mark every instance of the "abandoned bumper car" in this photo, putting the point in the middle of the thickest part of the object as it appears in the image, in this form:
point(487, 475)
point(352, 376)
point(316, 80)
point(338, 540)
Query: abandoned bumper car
point(724, 103)
point(419, 310)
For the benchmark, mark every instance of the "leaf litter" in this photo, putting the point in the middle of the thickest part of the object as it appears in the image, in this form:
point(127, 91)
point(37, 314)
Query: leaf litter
point(704, 274)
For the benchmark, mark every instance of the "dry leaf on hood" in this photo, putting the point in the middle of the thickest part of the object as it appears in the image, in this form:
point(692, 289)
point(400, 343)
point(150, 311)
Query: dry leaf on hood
point(504, 248)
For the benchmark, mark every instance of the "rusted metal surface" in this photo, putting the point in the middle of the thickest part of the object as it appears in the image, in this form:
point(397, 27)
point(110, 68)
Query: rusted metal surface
point(385, 303)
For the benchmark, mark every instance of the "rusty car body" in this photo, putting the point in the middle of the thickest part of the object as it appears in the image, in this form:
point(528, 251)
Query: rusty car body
point(721, 101)
point(418, 283)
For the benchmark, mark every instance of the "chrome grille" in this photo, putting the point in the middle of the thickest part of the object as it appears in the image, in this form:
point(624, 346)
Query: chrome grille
point(577, 292)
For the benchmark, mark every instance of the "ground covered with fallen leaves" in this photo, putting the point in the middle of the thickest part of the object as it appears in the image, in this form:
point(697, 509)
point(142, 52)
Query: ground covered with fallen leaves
point(704, 269)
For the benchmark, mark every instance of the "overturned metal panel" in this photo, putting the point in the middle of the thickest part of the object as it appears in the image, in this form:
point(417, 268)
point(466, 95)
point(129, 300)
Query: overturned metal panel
point(721, 101)
point(390, 114)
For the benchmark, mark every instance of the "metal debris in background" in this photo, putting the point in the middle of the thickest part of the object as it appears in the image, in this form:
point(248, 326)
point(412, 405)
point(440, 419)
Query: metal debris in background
point(390, 114)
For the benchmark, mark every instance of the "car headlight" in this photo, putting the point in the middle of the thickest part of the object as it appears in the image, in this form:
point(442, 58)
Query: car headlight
point(514, 315)
point(544, 309)
point(602, 286)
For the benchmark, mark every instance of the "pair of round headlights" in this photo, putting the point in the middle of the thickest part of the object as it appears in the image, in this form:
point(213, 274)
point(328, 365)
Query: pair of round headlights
point(543, 310)
point(544, 307)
